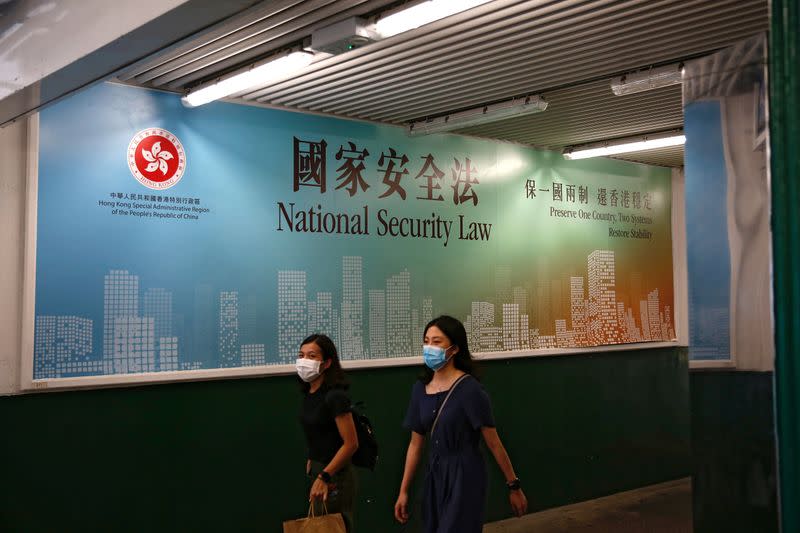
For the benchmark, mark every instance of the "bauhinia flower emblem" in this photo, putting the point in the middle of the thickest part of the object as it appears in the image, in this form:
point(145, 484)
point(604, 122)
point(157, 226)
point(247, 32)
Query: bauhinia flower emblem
point(156, 158)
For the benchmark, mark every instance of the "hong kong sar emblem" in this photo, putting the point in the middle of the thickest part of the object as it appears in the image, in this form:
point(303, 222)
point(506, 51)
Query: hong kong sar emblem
point(156, 158)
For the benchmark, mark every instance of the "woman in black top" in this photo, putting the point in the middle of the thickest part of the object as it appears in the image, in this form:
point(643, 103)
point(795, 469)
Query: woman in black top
point(328, 425)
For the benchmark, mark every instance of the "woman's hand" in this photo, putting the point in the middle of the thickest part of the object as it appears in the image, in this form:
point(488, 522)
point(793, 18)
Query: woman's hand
point(319, 490)
point(413, 454)
point(519, 503)
point(401, 508)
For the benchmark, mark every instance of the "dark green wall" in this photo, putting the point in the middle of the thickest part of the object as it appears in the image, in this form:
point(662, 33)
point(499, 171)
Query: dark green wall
point(784, 136)
point(228, 455)
point(734, 478)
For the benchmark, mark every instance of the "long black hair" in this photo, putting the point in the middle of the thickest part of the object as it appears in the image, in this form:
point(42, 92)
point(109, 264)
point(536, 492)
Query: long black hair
point(333, 376)
point(454, 330)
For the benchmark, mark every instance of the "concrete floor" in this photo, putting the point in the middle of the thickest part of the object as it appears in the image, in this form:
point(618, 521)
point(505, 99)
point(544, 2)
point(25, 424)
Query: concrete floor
point(662, 508)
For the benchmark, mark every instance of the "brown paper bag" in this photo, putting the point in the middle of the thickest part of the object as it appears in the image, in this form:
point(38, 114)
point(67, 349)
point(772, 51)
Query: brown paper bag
point(325, 523)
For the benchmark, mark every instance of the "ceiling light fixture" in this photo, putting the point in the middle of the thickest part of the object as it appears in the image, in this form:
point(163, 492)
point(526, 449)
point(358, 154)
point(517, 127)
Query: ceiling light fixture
point(629, 144)
point(479, 115)
point(645, 80)
point(421, 14)
point(255, 75)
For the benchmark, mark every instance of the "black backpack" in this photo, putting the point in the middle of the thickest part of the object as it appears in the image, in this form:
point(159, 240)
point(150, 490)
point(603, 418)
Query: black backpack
point(366, 455)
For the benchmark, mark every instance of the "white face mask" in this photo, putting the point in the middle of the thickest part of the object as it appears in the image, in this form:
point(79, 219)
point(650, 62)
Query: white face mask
point(308, 369)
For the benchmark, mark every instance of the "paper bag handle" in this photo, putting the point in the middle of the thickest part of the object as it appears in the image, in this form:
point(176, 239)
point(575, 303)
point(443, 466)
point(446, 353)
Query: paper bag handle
point(311, 509)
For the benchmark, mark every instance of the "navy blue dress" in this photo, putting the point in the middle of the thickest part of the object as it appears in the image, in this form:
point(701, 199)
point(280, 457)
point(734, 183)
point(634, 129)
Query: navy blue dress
point(454, 497)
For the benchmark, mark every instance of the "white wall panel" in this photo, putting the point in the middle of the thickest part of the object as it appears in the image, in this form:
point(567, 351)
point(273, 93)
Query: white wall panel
point(13, 165)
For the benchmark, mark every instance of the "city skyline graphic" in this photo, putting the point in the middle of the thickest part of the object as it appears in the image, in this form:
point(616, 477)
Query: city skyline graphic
point(142, 331)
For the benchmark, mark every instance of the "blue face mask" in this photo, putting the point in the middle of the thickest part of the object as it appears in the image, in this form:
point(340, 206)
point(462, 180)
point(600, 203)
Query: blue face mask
point(434, 356)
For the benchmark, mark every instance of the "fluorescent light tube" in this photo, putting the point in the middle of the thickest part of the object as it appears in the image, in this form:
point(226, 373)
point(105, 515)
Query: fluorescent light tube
point(255, 76)
point(621, 146)
point(479, 115)
point(421, 14)
point(646, 80)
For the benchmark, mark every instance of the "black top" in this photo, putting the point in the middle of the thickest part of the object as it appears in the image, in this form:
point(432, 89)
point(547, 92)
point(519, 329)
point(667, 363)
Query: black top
point(317, 418)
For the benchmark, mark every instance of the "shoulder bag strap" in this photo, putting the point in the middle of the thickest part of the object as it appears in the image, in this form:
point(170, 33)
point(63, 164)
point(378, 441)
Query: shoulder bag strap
point(452, 388)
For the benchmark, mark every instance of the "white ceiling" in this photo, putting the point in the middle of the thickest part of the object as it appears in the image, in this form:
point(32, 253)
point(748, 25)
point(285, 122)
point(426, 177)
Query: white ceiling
point(565, 50)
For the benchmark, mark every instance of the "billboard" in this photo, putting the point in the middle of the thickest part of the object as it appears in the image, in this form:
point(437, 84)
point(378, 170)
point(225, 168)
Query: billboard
point(175, 240)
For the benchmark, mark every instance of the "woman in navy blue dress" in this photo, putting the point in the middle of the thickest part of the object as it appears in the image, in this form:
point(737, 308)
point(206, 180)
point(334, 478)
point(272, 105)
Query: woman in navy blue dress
point(454, 499)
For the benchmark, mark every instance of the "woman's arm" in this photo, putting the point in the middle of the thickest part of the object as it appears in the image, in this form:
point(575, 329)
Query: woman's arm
point(499, 452)
point(518, 501)
point(413, 455)
point(347, 430)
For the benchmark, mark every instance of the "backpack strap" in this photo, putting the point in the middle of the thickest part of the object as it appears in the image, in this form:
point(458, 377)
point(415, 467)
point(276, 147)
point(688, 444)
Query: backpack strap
point(452, 388)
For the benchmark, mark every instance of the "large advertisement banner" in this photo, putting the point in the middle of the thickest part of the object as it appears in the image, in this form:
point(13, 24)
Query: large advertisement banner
point(728, 207)
point(174, 239)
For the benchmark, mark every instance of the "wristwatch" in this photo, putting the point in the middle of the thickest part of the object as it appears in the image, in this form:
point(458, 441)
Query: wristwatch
point(514, 484)
point(324, 476)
